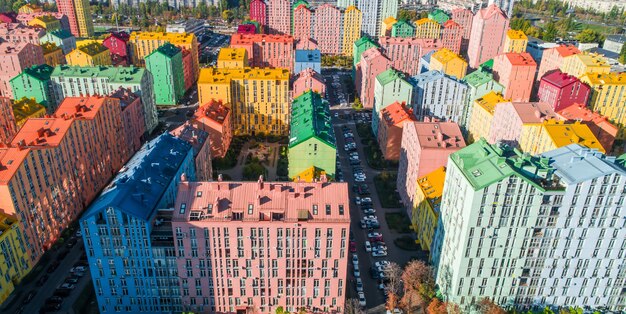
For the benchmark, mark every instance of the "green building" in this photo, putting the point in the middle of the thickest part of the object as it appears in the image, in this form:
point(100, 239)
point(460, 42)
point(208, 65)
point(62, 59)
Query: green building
point(480, 82)
point(166, 65)
point(439, 16)
point(34, 82)
point(62, 38)
point(360, 46)
point(390, 86)
point(312, 144)
point(403, 29)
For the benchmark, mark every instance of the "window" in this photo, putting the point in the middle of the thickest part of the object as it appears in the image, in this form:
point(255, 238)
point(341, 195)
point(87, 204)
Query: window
point(183, 206)
point(250, 209)
point(314, 209)
point(341, 210)
point(327, 209)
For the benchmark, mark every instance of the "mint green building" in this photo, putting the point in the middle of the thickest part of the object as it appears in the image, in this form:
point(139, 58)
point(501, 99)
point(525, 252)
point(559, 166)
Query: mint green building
point(403, 29)
point(166, 65)
point(312, 144)
point(360, 46)
point(438, 16)
point(390, 86)
point(62, 38)
point(34, 82)
point(480, 82)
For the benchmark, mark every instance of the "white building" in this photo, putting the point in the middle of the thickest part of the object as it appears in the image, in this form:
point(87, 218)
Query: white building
point(440, 96)
point(546, 230)
point(602, 6)
point(374, 13)
point(185, 26)
point(505, 5)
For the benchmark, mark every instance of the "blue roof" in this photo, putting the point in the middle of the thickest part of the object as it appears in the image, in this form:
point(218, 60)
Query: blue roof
point(575, 163)
point(141, 183)
point(308, 56)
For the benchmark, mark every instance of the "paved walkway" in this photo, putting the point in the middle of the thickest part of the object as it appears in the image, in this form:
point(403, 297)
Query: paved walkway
point(236, 173)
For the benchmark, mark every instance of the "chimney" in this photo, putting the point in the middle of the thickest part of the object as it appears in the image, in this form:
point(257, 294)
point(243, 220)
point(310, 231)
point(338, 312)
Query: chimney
point(260, 182)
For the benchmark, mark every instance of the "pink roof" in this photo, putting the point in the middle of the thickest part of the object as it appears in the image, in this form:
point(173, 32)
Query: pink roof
point(451, 24)
point(10, 48)
point(559, 79)
point(397, 113)
point(295, 201)
point(310, 73)
point(567, 50)
point(439, 135)
point(489, 11)
point(80, 107)
point(534, 112)
point(523, 58)
point(252, 38)
point(371, 53)
point(213, 110)
point(43, 132)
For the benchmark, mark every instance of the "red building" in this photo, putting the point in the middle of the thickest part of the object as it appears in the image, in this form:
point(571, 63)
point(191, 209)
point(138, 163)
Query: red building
point(562, 90)
point(392, 120)
point(452, 36)
point(246, 29)
point(188, 74)
point(258, 12)
point(8, 17)
point(132, 117)
point(214, 118)
point(276, 51)
point(117, 43)
point(599, 125)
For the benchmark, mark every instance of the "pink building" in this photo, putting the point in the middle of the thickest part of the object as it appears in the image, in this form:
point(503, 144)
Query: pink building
point(24, 18)
point(279, 17)
point(425, 147)
point(188, 74)
point(15, 57)
point(372, 63)
point(133, 122)
point(8, 126)
point(393, 118)
point(452, 36)
point(271, 244)
point(276, 51)
point(303, 29)
point(404, 53)
point(214, 118)
point(327, 30)
point(246, 29)
point(510, 117)
point(604, 131)
point(562, 90)
point(258, 12)
point(516, 72)
point(306, 44)
point(117, 43)
point(199, 140)
point(308, 79)
point(552, 59)
point(464, 18)
point(18, 33)
point(489, 28)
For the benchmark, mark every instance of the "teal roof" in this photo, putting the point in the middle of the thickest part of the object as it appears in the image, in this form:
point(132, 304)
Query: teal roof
point(310, 117)
point(484, 164)
point(402, 24)
point(389, 76)
point(478, 78)
point(40, 72)
point(168, 50)
point(365, 41)
point(439, 16)
point(125, 75)
point(300, 2)
point(61, 33)
point(487, 65)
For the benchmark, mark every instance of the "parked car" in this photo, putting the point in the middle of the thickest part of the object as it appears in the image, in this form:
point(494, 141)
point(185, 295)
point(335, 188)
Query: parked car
point(55, 299)
point(72, 280)
point(359, 285)
point(67, 286)
point(368, 246)
point(382, 264)
point(78, 269)
point(352, 246)
point(374, 234)
point(369, 211)
point(29, 297)
point(355, 259)
point(357, 273)
point(379, 254)
point(362, 301)
point(70, 243)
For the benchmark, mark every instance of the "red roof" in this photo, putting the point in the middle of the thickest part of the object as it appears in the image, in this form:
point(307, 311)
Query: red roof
point(523, 58)
point(567, 50)
point(42, 132)
point(451, 24)
point(580, 112)
point(559, 79)
point(213, 110)
point(80, 107)
point(397, 113)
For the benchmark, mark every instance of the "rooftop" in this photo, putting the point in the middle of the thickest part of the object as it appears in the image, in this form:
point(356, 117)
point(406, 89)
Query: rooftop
point(80, 107)
point(579, 112)
point(232, 54)
point(61, 33)
point(125, 96)
point(224, 76)
point(10, 160)
point(213, 110)
point(310, 73)
point(451, 24)
point(252, 38)
point(604, 78)
point(518, 59)
point(431, 76)
point(308, 56)
point(173, 38)
point(575, 163)
point(490, 11)
point(126, 75)
point(559, 79)
point(168, 50)
point(592, 59)
point(42, 132)
point(49, 47)
point(93, 49)
point(439, 135)
point(9, 48)
point(6, 222)
point(310, 117)
point(371, 53)
point(478, 78)
point(40, 72)
point(533, 112)
point(191, 134)
point(514, 34)
point(397, 113)
point(26, 107)
point(46, 18)
point(432, 187)
point(620, 38)
point(364, 40)
point(425, 20)
point(389, 76)
point(574, 133)
point(246, 29)
point(139, 186)
point(489, 101)
point(444, 55)
point(120, 35)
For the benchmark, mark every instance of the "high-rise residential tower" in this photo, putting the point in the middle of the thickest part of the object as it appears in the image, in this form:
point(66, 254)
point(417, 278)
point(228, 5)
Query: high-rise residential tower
point(489, 28)
point(78, 13)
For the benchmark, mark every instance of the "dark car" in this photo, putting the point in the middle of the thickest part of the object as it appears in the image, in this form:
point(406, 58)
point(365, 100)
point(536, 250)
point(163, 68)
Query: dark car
point(53, 266)
point(29, 297)
point(55, 299)
point(62, 292)
point(62, 255)
point(42, 280)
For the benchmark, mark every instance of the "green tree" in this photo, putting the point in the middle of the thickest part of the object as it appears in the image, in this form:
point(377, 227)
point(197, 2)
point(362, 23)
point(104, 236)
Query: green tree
point(407, 15)
point(550, 32)
point(533, 32)
point(17, 5)
point(589, 36)
point(622, 55)
point(280, 310)
point(520, 24)
point(227, 15)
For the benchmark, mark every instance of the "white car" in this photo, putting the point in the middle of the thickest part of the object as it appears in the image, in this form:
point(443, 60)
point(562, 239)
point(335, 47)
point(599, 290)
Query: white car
point(67, 286)
point(359, 285)
point(360, 179)
point(78, 269)
point(362, 301)
point(379, 253)
point(382, 264)
point(355, 259)
point(374, 235)
point(368, 246)
point(357, 273)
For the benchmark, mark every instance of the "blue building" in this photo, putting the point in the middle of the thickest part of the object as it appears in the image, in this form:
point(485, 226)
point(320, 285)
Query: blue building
point(307, 59)
point(127, 231)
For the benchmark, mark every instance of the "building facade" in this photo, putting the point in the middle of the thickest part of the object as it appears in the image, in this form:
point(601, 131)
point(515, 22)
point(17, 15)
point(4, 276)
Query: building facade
point(439, 96)
point(515, 122)
point(90, 55)
point(515, 41)
point(561, 90)
point(215, 119)
point(276, 51)
point(390, 86)
point(15, 57)
point(352, 20)
point(608, 94)
point(448, 62)
point(489, 28)
point(307, 80)
point(373, 63)
point(78, 13)
point(602, 129)
point(34, 82)
point(392, 120)
point(552, 58)
point(516, 72)
point(166, 66)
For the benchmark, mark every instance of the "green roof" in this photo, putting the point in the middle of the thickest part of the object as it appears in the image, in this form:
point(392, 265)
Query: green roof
point(439, 16)
point(61, 33)
point(93, 49)
point(478, 78)
point(389, 76)
point(365, 41)
point(310, 117)
point(125, 75)
point(487, 65)
point(168, 50)
point(40, 72)
point(484, 164)
point(299, 2)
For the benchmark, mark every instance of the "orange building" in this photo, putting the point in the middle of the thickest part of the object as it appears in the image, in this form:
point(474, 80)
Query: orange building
point(392, 119)
point(599, 125)
point(214, 118)
point(516, 72)
point(552, 59)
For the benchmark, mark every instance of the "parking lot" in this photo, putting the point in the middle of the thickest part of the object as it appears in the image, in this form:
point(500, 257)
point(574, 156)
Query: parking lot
point(337, 91)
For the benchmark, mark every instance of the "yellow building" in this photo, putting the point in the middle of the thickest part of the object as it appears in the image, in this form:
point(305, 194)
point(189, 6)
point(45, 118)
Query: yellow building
point(83, 18)
point(14, 262)
point(259, 97)
point(351, 29)
point(426, 206)
point(448, 62)
point(385, 28)
point(555, 134)
point(26, 108)
point(479, 124)
point(48, 22)
point(582, 63)
point(515, 41)
point(90, 55)
point(85, 42)
point(52, 54)
point(608, 97)
point(142, 44)
point(427, 28)
point(29, 8)
point(232, 58)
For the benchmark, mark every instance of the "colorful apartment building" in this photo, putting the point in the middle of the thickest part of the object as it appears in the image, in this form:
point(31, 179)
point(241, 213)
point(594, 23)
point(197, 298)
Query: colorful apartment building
point(78, 13)
point(403, 28)
point(15, 57)
point(392, 120)
point(27, 108)
point(307, 59)
point(26, 18)
point(514, 122)
point(552, 58)
point(352, 18)
point(386, 26)
point(399, 50)
point(117, 43)
point(247, 28)
point(425, 147)
point(555, 134)
point(582, 63)
point(390, 86)
point(374, 12)
point(232, 58)
point(34, 82)
point(360, 46)
point(515, 41)
point(448, 62)
point(426, 207)
point(479, 123)
point(188, 69)
point(148, 182)
point(259, 107)
point(327, 29)
point(312, 142)
point(142, 44)
point(303, 29)
point(215, 119)
point(373, 63)
point(61, 38)
point(464, 18)
point(258, 13)
point(15, 262)
point(307, 80)
point(452, 36)
point(47, 22)
point(276, 51)
point(133, 122)
point(561, 90)
point(279, 17)
point(599, 125)
point(166, 66)
point(438, 16)
point(256, 217)
point(201, 148)
point(8, 127)
point(90, 55)
point(29, 8)
point(439, 96)
point(608, 95)
point(69, 81)
point(516, 72)
point(489, 28)
point(427, 28)
point(18, 33)
point(52, 54)
point(8, 17)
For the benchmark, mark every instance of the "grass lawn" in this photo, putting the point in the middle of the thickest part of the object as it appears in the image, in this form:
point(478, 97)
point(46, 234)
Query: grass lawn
point(386, 187)
point(398, 221)
point(406, 243)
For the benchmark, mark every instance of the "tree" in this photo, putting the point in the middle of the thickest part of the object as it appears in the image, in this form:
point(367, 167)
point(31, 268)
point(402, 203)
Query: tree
point(437, 307)
point(280, 310)
point(622, 55)
point(550, 32)
point(419, 285)
point(534, 32)
point(17, 5)
point(227, 15)
point(486, 306)
point(589, 36)
point(407, 15)
point(353, 307)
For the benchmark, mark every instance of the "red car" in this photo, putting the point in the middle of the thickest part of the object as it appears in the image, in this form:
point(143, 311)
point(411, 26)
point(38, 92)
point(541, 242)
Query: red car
point(352, 246)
